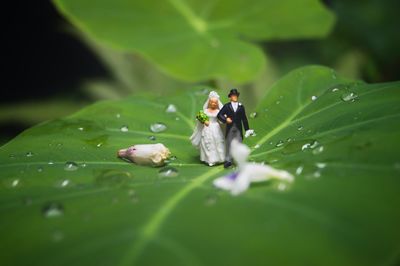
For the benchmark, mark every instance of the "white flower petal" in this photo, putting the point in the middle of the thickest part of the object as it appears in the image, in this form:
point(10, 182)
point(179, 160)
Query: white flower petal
point(146, 154)
point(239, 152)
point(224, 183)
point(241, 184)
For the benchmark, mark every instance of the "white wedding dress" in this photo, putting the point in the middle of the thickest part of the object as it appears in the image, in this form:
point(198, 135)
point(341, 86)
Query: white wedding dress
point(210, 139)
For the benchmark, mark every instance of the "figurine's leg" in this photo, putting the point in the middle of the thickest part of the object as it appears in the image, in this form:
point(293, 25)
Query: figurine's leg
point(233, 133)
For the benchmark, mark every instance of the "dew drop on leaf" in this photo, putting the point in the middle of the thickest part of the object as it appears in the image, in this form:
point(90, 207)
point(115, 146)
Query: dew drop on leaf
point(57, 236)
point(318, 150)
point(211, 200)
point(29, 154)
point(299, 170)
point(63, 183)
point(70, 166)
point(256, 146)
point(152, 137)
point(52, 210)
point(280, 143)
point(333, 74)
point(124, 128)
point(158, 127)
point(317, 174)
point(314, 97)
point(27, 201)
point(349, 97)
point(50, 163)
point(133, 197)
point(282, 186)
point(113, 177)
point(40, 169)
point(171, 109)
point(300, 128)
point(16, 182)
point(168, 172)
point(253, 115)
point(118, 115)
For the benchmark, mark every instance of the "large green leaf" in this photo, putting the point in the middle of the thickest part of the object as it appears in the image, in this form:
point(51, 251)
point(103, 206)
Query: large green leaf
point(66, 199)
point(198, 40)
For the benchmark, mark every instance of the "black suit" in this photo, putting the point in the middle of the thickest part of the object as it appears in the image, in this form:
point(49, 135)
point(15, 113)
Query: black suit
point(238, 118)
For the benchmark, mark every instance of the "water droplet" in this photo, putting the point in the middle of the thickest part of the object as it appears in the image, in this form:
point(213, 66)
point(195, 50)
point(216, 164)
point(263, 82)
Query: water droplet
point(171, 108)
point(282, 186)
point(97, 141)
point(253, 115)
point(320, 165)
point(52, 210)
point(214, 43)
point(280, 143)
point(133, 196)
point(113, 177)
point(317, 174)
point(203, 91)
point(40, 169)
point(63, 183)
point(278, 102)
point(310, 145)
point(299, 170)
point(300, 128)
point(158, 127)
point(50, 163)
point(29, 154)
point(318, 150)
point(335, 89)
point(313, 98)
point(81, 128)
point(124, 128)
point(152, 137)
point(256, 146)
point(118, 115)
point(211, 200)
point(15, 182)
point(168, 172)
point(349, 97)
point(57, 236)
point(27, 201)
point(70, 166)
point(333, 74)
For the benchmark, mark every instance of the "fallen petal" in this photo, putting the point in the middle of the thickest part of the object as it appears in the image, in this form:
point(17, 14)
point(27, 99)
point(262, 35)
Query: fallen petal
point(146, 154)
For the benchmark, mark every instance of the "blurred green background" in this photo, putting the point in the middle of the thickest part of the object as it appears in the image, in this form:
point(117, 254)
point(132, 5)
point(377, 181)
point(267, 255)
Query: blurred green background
point(53, 69)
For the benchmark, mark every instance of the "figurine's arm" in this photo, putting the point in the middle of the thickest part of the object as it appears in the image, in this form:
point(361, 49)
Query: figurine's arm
point(244, 120)
point(249, 132)
point(221, 114)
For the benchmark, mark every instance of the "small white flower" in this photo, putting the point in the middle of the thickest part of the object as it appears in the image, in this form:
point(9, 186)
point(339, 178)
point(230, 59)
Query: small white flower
point(146, 154)
point(238, 182)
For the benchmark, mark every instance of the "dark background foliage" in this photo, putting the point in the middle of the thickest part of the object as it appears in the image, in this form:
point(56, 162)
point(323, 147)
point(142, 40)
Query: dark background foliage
point(46, 64)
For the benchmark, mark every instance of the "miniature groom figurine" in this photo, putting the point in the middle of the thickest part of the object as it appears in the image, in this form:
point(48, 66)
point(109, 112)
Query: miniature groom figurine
point(234, 115)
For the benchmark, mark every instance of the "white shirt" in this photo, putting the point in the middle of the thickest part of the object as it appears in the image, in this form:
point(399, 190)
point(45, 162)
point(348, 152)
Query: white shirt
point(235, 105)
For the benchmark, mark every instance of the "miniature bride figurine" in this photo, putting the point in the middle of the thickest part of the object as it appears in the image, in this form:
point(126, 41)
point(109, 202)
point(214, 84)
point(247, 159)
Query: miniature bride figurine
point(208, 136)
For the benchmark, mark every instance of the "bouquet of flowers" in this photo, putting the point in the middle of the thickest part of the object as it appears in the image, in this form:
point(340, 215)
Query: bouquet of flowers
point(201, 116)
